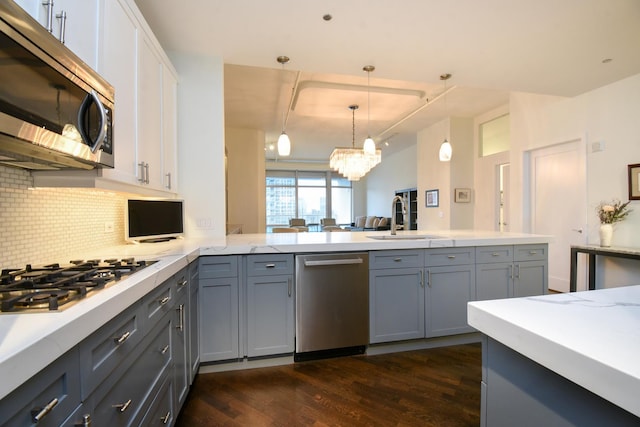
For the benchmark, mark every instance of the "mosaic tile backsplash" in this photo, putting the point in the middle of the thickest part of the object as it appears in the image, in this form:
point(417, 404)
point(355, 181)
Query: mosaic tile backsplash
point(38, 225)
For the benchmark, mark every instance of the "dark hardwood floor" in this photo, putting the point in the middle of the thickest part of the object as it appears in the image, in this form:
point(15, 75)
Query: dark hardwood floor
point(435, 387)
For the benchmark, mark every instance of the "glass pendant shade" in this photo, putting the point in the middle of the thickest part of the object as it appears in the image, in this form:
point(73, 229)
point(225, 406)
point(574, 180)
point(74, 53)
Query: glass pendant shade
point(369, 146)
point(284, 145)
point(445, 151)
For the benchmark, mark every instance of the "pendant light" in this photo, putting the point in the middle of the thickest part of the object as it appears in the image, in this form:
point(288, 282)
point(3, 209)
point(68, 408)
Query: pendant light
point(445, 149)
point(284, 143)
point(369, 146)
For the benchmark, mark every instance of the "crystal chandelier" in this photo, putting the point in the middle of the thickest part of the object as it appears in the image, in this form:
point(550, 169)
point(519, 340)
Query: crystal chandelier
point(353, 163)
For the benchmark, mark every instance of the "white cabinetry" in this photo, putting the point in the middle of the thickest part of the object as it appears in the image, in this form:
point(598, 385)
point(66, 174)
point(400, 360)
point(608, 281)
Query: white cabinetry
point(81, 26)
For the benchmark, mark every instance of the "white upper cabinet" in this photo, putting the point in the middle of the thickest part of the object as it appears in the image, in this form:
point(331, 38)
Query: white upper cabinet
point(74, 21)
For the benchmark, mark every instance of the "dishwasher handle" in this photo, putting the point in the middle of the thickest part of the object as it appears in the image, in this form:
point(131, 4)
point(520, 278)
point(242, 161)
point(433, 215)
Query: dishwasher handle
point(345, 261)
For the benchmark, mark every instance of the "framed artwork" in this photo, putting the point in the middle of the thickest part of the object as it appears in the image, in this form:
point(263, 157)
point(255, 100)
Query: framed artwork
point(431, 197)
point(462, 195)
point(634, 181)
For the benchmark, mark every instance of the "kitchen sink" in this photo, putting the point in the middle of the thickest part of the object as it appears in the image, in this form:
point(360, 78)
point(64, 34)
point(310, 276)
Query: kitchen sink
point(404, 237)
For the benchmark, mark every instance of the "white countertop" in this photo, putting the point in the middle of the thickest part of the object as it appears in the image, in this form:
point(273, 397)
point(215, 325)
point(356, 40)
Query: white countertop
point(30, 341)
point(591, 338)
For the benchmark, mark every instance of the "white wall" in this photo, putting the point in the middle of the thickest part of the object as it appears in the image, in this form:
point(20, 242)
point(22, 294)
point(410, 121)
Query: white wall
point(201, 143)
point(246, 204)
point(609, 115)
point(397, 171)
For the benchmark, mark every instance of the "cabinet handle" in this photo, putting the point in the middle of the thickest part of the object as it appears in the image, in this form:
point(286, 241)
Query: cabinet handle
point(168, 180)
point(180, 311)
point(397, 260)
point(38, 414)
point(495, 254)
point(533, 252)
point(164, 349)
point(49, 5)
point(86, 421)
point(146, 170)
point(421, 279)
point(122, 338)
point(62, 16)
point(517, 271)
point(182, 283)
point(122, 406)
point(451, 256)
point(429, 278)
point(289, 286)
point(164, 300)
point(511, 272)
point(141, 166)
point(269, 266)
point(165, 419)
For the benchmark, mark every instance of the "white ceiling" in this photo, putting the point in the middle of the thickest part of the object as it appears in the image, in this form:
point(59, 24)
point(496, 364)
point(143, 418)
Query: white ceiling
point(490, 47)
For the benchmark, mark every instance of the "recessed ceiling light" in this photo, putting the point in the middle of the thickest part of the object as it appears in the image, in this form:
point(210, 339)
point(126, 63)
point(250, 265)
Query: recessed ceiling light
point(606, 60)
point(327, 17)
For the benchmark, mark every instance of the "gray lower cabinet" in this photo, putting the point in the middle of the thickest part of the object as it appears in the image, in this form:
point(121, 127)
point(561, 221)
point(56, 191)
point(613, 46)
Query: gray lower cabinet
point(270, 305)
point(50, 397)
point(219, 308)
point(134, 370)
point(511, 271)
point(193, 318)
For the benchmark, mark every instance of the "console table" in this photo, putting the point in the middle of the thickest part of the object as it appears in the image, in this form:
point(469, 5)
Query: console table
point(592, 251)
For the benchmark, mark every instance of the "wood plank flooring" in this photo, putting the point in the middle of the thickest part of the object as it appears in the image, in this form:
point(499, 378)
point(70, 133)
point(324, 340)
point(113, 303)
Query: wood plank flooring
point(435, 387)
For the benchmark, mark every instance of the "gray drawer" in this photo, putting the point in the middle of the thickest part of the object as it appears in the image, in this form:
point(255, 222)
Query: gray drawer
point(449, 256)
point(531, 252)
point(133, 382)
point(491, 254)
point(269, 265)
point(396, 259)
point(212, 267)
point(181, 281)
point(103, 351)
point(60, 380)
point(161, 410)
point(159, 302)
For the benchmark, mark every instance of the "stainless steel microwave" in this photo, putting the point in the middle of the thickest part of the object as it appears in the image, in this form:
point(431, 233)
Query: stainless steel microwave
point(55, 111)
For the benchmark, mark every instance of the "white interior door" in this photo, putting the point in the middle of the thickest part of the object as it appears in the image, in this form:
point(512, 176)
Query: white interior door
point(559, 204)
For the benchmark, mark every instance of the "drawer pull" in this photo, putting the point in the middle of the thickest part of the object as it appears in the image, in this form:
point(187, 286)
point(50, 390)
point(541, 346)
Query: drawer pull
point(451, 256)
point(39, 413)
point(397, 260)
point(182, 283)
point(269, 266)
point(164, 349)
point(122, 406)
point(495, 254)
point(86, 421)
point(164, 300)
point(122, 338)
point(165, 419)
point(533, 252)
point(180, 311)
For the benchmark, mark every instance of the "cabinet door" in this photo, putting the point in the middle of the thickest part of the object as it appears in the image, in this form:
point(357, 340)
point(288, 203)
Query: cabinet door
point(449, 289)
point(118, 65)
point(193, 317)
point(179, 347)
point(219, 319)
point(270, 315)
point(530, 278)
point(493, 281)
point(169, 130)
point(149, 115)
point(396, 305)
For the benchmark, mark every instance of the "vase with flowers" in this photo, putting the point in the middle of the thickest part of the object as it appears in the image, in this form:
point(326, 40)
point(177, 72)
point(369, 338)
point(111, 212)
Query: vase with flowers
point(609, 214)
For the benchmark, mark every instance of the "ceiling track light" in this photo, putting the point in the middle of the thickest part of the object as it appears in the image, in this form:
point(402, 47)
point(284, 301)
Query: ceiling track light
point(445, 152)
point(369, 146)
point(284, 143)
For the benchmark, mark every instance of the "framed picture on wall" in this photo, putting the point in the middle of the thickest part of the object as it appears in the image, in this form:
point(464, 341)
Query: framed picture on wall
point(431, 197)
point(634, 181)
point(462, 195)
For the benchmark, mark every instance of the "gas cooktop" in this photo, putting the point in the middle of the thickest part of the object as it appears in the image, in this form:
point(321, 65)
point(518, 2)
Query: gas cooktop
point(54, 286)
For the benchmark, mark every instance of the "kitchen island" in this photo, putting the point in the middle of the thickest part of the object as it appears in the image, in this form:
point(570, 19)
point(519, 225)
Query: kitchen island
point(31, 342)
point(562, 360)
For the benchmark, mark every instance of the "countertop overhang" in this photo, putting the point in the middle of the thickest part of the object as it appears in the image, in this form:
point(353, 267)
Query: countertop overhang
point(31, 341)
point(591, 338)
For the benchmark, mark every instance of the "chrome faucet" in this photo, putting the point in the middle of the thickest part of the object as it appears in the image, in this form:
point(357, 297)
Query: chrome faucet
point(393, 212)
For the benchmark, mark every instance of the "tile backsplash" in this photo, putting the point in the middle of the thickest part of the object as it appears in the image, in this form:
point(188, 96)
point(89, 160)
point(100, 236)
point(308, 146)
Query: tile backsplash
point(39, 225)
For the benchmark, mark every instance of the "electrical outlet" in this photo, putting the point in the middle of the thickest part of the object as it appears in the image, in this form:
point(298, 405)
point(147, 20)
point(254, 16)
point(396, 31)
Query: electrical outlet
point(597, 146)
point(108, 227)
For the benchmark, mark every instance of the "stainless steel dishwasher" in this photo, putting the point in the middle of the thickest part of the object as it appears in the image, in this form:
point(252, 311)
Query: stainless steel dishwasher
point(332, 304)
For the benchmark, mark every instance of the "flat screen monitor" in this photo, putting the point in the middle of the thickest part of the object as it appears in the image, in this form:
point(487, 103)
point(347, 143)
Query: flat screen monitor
point(154, 220)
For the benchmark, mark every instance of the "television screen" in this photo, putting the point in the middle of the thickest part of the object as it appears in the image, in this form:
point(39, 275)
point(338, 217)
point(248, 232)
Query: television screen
point(154, 220)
